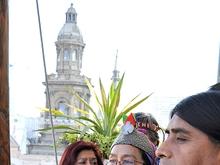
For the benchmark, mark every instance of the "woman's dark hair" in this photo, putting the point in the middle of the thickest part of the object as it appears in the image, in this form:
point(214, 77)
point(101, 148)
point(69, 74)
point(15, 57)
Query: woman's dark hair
point(72, 151)
point(201, 111)
point(152, 126)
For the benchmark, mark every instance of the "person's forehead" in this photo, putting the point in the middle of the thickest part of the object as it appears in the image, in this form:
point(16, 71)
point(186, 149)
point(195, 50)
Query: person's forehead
point(86, 153)
point(122, 150)
point(178, 124)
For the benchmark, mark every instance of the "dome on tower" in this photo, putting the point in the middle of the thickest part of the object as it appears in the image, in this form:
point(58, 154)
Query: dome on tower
point(70, 30)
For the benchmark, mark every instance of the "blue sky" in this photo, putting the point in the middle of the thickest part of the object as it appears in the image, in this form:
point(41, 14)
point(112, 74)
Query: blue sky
point(167, 47)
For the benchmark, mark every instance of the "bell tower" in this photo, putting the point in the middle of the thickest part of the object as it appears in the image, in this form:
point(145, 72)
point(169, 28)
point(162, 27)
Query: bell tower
point(69, 46)
point(68, 78)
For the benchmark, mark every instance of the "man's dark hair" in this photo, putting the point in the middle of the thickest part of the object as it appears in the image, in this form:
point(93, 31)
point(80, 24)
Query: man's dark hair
point(201, 111)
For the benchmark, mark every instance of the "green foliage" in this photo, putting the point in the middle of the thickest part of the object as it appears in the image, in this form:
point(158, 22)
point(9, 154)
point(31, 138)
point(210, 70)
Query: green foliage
point(102, 125)
point(106, 115)
point(104, 142)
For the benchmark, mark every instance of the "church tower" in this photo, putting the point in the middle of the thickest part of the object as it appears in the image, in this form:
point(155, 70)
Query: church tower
point(68, 78)
point(70, 47)
point(115, 76)
point(62, 84)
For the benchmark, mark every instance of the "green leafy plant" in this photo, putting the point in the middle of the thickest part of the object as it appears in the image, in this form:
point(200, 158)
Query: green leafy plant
point(104, 142)
point(102, 125)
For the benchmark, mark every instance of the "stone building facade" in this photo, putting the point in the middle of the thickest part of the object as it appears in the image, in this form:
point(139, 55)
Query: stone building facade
point(67, 80)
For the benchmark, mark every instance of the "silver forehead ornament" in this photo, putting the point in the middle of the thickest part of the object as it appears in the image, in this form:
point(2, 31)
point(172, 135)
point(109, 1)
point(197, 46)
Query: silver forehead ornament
point(127, 128)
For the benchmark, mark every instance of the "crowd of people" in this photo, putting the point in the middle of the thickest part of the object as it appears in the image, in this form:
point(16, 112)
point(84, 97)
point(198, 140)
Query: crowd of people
point(193, 137)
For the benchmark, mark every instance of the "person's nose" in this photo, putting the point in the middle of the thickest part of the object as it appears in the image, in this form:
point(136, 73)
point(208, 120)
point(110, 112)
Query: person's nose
point(87, 163)
point(119, 162)
point(163, 151)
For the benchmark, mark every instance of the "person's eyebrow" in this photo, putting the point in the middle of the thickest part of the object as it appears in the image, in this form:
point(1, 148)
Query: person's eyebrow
point(177, 130)
point(128, 155)
point(124, 156)
point(112, 155)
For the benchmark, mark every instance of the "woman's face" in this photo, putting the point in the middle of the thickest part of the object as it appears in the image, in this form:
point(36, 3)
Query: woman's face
point(86, 157)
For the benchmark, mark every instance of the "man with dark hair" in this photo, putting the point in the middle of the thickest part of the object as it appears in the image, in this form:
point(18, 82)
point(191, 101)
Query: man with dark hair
point(193, 132)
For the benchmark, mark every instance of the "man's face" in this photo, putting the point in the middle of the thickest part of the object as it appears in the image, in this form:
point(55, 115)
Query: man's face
point(186, 145)
point(122, 152)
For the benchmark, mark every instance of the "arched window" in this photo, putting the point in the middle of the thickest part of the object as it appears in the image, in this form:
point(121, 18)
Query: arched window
point(58, 57)
point(63, 107)
point(74, 55)
point(66, 55)
point(74, 17)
